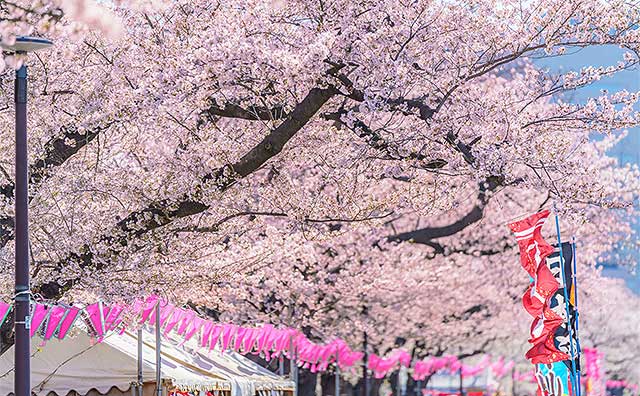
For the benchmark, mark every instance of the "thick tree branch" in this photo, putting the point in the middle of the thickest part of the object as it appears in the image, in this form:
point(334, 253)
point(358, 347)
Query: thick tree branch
point(428, 234)
point(376, 141)
point(253, 113)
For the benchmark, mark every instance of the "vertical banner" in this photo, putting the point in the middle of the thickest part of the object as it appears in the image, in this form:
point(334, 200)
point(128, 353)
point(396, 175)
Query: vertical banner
point(562, 337)
point(554, 379)
point(545, 301)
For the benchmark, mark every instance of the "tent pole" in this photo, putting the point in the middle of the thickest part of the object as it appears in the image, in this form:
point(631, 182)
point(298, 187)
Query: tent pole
point(337, 390)
point(139, 385)
point(158, 362)
point(294, 366)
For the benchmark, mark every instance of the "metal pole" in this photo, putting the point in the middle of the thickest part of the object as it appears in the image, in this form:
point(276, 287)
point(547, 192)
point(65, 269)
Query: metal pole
point(140, 379)
point(574, 277)
point(365, 363)
point(293, 367)
point(337, 390)
point(566, 299)
point(460, 374)
point(22, 318)
point(158, 357)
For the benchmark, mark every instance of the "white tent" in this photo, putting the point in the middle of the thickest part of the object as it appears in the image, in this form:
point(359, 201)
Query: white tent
point(79, 366)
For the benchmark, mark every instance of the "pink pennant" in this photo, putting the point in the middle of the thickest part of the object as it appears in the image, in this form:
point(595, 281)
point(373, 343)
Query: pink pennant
point(206, 333)
point(165, 313)
point(240, 332)
point(37, 318)
point(228, 331)
point(96, 317)
point(196, 325)
point(68, 321)
point(250, 340)
point(215, 335)
point(149, 308)
point(4, 311)
point(263, 337)
point(186, 320)
point(176, 317)
point(55, 318)
point(112, 320)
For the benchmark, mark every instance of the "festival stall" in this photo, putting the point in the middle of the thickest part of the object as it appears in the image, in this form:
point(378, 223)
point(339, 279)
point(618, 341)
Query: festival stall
point(79, 365)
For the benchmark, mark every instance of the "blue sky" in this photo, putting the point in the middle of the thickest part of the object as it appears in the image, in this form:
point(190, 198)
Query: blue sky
point(627, 151)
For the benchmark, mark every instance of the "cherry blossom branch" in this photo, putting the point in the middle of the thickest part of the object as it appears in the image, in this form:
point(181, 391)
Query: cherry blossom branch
point(160, 213)
point(56, 151)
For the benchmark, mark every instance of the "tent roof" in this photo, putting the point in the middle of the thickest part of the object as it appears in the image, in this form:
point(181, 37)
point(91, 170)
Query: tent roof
point(76, 363)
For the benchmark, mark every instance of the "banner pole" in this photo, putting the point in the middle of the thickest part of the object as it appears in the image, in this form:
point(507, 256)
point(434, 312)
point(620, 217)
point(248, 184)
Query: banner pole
point(158, 356)
point(575, 295)
point(566, 298)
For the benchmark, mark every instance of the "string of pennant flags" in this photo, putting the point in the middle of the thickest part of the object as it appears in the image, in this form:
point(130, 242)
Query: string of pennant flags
point(55, 321)
point(51, 321)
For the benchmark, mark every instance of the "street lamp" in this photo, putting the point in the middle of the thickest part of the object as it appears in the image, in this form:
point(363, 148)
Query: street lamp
point(22, 320)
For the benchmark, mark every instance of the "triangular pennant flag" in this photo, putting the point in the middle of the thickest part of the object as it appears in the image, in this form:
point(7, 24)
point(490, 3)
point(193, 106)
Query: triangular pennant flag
point(149, 308)
point(55, 319)
point(68, 321)
point(5, 309)
point(194, 327)
point(95, 317)
point(112, 320)
point(206, 333)
point(165, 313)
point(176, 317)
point(215, 335)
point(38, 317)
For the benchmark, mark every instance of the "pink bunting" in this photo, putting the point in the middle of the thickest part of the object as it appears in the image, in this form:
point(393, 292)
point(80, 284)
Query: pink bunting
point(194, 327)
point(206, 333)
point(186, 320)
point(228, 331)
point(96, 317)
point(40, 313)
point(215, 335)
point(149, 308)
point(113, 319)
point(67, 322)
point(176, 317)
point(55, 318)
point(4, 311)
point(265, 340)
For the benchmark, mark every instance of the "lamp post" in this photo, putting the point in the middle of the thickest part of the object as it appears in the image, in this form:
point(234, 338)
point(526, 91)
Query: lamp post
point(22, 319)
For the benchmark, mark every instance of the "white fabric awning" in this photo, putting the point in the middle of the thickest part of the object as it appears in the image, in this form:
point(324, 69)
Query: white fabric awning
point(76, 364)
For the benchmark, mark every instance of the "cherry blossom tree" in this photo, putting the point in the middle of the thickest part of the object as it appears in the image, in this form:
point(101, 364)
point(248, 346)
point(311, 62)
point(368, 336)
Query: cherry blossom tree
point(344, 167)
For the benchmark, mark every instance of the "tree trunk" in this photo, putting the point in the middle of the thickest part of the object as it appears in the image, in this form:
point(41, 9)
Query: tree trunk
point(328, 383)
point(307, 382)
point(375, 385)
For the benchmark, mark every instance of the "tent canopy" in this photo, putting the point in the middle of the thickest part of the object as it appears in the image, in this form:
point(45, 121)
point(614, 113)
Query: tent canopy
point(79, 364)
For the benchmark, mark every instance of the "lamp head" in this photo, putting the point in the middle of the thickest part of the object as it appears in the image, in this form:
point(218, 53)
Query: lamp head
point(25, 44)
